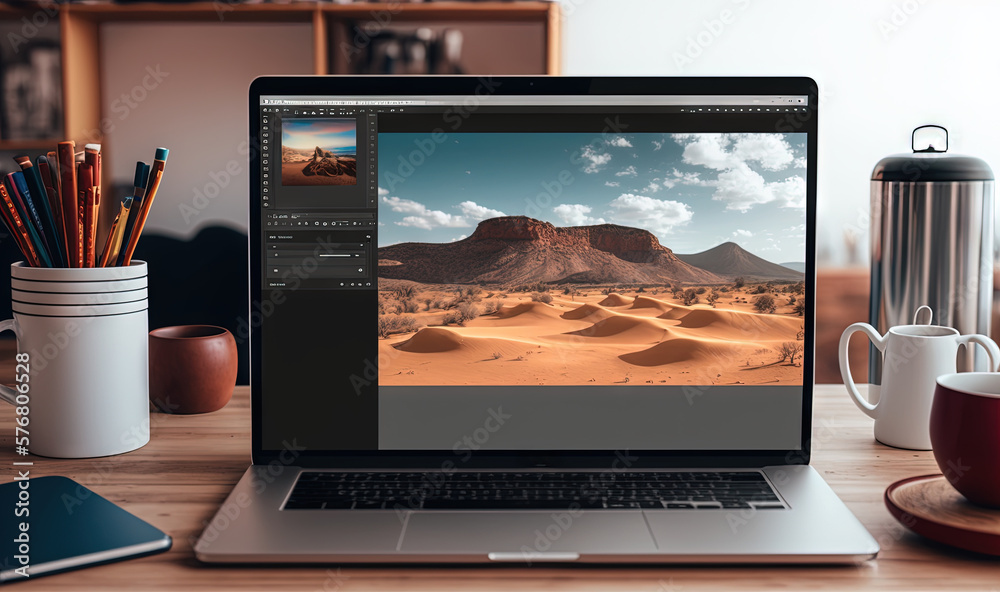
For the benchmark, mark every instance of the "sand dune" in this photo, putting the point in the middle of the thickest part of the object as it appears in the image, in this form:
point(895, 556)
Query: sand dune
point(741, 326)
point(435, 340)
point(678, 350)
point(626, 329)
point(615, 300)
point(594, 339)
point(590, 312)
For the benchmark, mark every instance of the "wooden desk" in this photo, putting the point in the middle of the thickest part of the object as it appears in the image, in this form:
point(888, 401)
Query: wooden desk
point(177, 481)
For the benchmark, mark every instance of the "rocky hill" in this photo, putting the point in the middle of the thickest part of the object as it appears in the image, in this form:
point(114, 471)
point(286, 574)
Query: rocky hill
point(518, 250)
point(732, 260)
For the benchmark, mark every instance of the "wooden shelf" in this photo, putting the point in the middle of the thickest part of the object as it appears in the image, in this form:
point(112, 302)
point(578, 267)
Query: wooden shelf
point(30, 144)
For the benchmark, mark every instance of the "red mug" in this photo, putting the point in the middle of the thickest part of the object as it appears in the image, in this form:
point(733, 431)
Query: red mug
point(965, 434)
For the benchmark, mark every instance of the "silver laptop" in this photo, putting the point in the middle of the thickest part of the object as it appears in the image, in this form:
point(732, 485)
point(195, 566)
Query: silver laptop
point(530, 320)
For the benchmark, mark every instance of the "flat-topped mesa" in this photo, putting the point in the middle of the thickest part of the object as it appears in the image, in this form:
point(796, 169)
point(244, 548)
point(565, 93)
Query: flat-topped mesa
point(514, 228)
point(630, 244)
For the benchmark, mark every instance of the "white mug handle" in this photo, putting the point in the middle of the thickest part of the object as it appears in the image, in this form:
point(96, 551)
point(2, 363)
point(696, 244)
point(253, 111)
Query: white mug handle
point(916, 315)
point(6, 393)
point(988, 344)
point(845, 366)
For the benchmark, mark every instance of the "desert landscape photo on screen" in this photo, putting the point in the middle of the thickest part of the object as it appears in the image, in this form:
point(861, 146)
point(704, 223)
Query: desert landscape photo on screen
point(319, 151)
point(583, 259)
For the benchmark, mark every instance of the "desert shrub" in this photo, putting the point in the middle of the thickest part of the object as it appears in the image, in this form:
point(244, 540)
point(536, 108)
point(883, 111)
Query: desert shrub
point(497, 355)
point(789, 350)
point(408, 305)
point(390, 324)
point(791, 300)
point(469, 311)
point(640, 290)
point(724, 289)
point(453, 318)
point(712, 298)
point(404, 292)
point(543, 297)
point(701, 290)
point(764, 304)
point(739, 282)
point(760, 289)
point(689, 297)
point(469, 294)
point(800, 308)
point(491, 306)
point(534, 287)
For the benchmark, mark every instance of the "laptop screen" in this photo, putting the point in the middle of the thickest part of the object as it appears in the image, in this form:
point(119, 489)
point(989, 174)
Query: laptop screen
point(489, 272)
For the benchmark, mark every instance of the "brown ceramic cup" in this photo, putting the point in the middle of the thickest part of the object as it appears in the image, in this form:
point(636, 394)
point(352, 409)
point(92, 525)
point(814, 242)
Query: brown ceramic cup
point(192, 368)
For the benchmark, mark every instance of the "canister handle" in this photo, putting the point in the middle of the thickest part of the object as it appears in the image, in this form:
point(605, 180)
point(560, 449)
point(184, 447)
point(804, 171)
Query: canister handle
point(929, 146)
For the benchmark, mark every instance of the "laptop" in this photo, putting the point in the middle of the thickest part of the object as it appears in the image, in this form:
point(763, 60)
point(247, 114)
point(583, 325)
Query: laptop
point(526, 320)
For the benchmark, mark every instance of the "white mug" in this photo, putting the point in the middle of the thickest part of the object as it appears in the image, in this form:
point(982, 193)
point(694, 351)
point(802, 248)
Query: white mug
point(82, 365)
point(913, 357)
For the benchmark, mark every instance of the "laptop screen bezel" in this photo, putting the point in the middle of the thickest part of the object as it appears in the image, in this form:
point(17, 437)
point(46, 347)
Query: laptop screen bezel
point(404, 86)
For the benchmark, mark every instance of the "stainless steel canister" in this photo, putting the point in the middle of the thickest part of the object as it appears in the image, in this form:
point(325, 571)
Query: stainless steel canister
point(932, 242)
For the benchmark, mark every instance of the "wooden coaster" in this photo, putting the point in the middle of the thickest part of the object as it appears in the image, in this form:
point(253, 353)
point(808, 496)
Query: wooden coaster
point(931, 507)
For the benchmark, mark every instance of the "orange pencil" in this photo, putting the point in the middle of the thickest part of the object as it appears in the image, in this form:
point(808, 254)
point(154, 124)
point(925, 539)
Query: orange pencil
point(86, 215)
point(22, 238)
point(155, 174)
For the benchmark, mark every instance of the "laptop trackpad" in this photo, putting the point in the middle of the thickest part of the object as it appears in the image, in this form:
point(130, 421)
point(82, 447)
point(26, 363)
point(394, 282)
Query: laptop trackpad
point(524, 533)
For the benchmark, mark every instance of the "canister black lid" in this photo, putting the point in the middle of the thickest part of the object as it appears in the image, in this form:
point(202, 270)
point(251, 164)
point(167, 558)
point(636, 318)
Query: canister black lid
point(929, 162)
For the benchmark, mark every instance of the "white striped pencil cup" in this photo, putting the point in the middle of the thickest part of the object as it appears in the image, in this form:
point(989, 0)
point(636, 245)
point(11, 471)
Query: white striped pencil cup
point(82, 367)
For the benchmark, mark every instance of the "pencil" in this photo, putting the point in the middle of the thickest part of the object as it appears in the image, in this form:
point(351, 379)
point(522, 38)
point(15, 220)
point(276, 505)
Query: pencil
point(19, 187)
point(141, 208)
point(85, 181)
point(33, 235)
point(114, 244)
point(55, 205)
point(40, 197)
point(27, 248)
point(70, 202)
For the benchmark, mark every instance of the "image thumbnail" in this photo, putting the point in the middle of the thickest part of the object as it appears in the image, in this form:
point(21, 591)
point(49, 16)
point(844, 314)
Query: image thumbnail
point(319, 152)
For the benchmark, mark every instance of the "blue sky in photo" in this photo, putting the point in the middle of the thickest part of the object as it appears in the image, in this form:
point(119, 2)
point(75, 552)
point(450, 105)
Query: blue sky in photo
point(333, 135)
point(693, 191)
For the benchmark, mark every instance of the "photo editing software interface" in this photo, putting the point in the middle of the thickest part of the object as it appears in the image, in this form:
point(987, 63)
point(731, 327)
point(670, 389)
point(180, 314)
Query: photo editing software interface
point(509, 274)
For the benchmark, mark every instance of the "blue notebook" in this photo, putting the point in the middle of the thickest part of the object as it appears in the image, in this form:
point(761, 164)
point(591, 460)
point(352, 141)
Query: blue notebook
point(54, 524)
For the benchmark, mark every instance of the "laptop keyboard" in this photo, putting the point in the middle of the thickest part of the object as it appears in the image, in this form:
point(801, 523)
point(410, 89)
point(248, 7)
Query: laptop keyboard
point(317, 490)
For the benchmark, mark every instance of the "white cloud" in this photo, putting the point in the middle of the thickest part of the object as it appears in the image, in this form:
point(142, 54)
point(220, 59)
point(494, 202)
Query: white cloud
point(576, 215)
point(726, 151)
point(629, 171)
point(619, 142)
point(688, 178)
point(468, 172)
point(742, 188)
point(652, 187)
point(657, 145)
point(478, 212)
point(612, 183)
point(659, 216)
point(421, 216)
point(595, 160)
point(799, 163)
point(383, 191)
point(743, 233)
point(457, 238)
